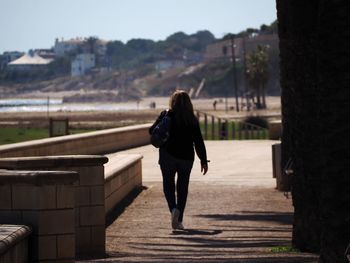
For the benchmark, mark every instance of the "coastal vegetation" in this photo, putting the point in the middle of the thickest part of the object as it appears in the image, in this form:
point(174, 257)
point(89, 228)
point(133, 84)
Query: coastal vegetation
point(140, 67)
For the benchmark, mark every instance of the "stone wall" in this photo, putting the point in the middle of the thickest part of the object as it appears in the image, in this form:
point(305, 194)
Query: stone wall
point(43, 200)
point(89, 206)
point(99, 142)
point(315, 84)
point(122, 175)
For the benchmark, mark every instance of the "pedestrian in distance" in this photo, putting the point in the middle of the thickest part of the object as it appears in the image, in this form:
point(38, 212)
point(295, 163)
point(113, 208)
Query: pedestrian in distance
point(176, 156)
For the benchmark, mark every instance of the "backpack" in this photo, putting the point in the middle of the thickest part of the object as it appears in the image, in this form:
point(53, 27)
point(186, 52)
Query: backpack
point(161, 132)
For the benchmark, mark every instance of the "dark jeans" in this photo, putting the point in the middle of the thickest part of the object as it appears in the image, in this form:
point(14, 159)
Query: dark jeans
point(169, 166)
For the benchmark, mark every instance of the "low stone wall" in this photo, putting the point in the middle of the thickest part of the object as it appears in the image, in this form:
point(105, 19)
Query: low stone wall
point(45, 201)
point(96, 192)
point(88, 190)
point(123, 173)
point(14, 243)
point(99, 142)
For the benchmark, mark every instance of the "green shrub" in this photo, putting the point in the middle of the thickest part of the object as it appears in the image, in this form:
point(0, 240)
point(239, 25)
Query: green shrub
point(258, 121)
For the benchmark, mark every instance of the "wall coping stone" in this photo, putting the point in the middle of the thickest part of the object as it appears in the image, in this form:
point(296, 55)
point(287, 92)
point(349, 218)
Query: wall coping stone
point(37, 177)
point(67, 138)
point(52, 161)
point(10, 235)
point(119, 162)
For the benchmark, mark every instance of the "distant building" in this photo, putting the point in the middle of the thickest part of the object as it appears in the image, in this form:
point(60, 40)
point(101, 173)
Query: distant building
point(29, 62)
point(169, 64)
point(9, 56)
point(62, 47)
point(80, 46)
point(82, 63)
point(45, 53)
point(12, 55)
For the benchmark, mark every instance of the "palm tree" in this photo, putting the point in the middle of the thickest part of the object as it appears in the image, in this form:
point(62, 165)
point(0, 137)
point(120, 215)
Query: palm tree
point(257, 73)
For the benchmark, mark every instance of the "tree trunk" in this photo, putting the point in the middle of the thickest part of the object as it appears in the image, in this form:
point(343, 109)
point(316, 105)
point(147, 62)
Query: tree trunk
point(263, 89)
point(334, 82)
point(258, 95)
point(315, 84)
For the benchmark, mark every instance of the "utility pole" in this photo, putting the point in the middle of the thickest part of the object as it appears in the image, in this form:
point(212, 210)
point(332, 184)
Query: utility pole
point(245, 73)
point(234, 69)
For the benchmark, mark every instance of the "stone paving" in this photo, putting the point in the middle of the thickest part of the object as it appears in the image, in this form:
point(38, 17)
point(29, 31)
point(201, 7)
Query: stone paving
point(233, 213)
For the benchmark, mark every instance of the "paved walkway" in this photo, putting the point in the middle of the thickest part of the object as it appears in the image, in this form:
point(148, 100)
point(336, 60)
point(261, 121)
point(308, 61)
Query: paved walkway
point(233, 213)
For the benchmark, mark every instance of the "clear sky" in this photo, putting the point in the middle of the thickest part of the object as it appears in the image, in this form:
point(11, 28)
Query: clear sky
point(30, 24)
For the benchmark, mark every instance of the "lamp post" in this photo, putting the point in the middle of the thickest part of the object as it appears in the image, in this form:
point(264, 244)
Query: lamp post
point(232, 37)
point(224, 51)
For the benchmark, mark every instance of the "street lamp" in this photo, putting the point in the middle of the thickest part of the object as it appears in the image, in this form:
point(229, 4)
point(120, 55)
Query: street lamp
point(233, 58)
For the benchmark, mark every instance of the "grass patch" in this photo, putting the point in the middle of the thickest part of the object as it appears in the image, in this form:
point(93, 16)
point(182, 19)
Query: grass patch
point(233, 132)
point(15, 134)
point(284, 249)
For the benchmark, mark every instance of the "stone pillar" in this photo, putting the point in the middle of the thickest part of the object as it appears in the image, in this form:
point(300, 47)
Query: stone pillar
point(43, 200)
point(89, 195)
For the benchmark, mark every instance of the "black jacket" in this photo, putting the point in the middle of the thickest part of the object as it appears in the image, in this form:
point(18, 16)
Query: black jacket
point(182, 139)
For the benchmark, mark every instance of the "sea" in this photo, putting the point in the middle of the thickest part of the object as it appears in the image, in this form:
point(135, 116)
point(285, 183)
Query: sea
point(56, 105)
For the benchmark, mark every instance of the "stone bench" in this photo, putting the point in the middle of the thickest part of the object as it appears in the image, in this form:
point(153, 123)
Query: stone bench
point(14, 243)
point(123, 174)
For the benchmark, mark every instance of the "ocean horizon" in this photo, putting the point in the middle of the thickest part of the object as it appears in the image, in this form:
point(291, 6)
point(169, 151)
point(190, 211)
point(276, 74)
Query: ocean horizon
point(56, 105)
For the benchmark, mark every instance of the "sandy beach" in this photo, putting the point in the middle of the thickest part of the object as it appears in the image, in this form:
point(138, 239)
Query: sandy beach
point(134, 113)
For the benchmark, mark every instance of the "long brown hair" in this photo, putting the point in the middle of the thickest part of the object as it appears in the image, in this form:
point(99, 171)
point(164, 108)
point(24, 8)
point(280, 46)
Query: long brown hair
point(180, 103)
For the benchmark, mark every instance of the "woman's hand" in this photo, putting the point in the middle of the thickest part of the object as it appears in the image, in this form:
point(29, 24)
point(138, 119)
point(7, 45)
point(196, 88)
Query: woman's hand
point(204, 168)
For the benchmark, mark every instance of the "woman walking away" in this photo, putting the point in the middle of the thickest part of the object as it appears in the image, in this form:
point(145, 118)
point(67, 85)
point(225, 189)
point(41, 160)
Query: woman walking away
point(177, 154)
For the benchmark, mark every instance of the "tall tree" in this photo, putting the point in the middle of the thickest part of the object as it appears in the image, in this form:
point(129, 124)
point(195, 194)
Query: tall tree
point(314, 41)
point(258, 74)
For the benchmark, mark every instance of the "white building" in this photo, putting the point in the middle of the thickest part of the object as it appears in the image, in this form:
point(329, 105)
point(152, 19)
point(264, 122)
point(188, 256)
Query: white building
point(82, 63)
point(63, 47)
point(169, 64)
point(29, 62)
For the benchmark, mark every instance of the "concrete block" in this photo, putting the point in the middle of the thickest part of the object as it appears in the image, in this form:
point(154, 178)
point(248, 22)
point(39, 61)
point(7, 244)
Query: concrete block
point(98, 239)
point(93, 215)
point(65, 196)
point(57, 222)
point(116, 182)
point(25, 197)
point(97, 195)
point(98, 234)
point(33, 197)
point(31, 218)
point(108, 189)
point(77, 216)
point(47, 247)
point(83, 239)
point(82, 196)
point(91, 175)
point(66, 246)
point(5, 197)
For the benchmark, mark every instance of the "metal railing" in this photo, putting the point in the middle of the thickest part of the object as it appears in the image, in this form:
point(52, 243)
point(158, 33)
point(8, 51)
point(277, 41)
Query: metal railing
point(216, 128)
